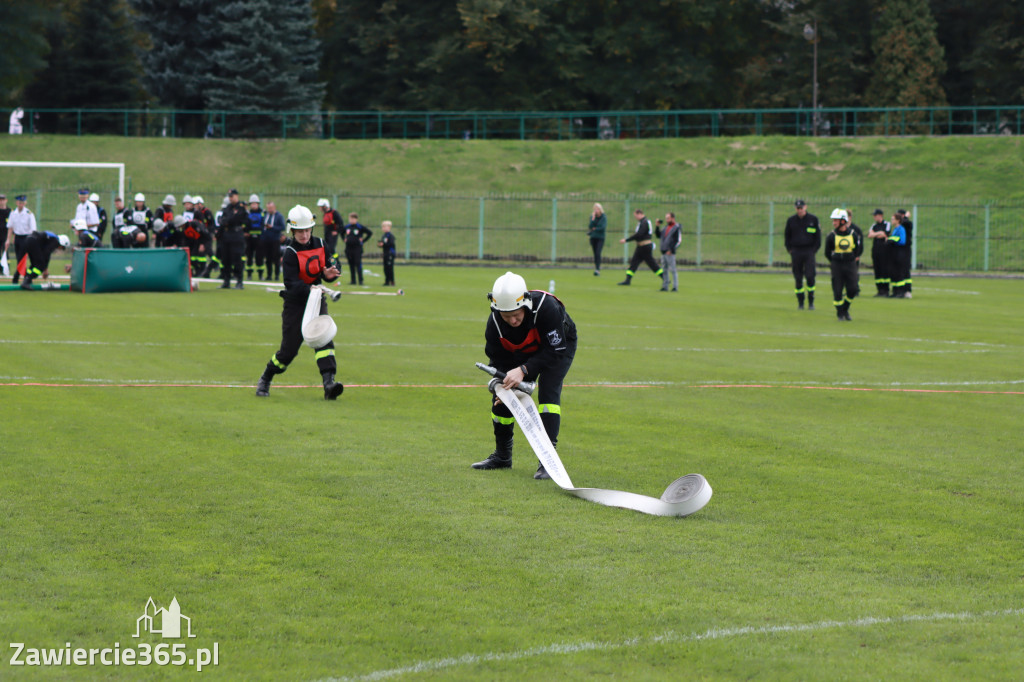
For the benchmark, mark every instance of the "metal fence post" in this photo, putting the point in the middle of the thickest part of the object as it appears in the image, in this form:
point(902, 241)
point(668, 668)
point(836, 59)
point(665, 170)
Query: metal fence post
point(700, 223)
point(480, 247)
point(771, 232)
point(408, 225)
point(917, 238)
point(554, 229)
point(988, 222)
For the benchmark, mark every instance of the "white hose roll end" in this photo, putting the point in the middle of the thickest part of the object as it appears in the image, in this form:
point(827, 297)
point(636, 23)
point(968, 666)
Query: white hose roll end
point(319, 331)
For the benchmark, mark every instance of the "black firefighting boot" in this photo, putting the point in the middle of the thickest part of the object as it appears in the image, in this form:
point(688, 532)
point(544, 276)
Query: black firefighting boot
point(332, 388)
point(26, 283)
point(263, 385)
point(800, 301)
point(810, 300)
point(248, 273)
point(846, 311)
point(625, 282)
point(259, 274)
point(501, 458)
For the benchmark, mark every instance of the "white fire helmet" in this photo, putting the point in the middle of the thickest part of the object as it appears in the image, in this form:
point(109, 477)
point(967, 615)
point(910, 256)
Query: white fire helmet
point(79, 224)
point(187, 199)
point(509, 293)
point(169, 200)
point(300, 218)
point(840, 214)
point(159, 225)
point(199, 200)
point(94, 197)
point(65, 242)
point(323, 203)
point(140, 197)
point(254, 198)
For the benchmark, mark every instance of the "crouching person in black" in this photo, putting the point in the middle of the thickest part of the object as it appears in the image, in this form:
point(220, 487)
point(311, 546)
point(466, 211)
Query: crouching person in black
point(39, 246)
point(530, 337)
point(304, 264)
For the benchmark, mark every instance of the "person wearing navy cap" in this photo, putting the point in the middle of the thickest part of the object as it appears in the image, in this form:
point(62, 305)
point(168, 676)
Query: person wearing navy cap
point(803, 239)
point(21, 223)
point(231, 240)
point(879, 232)
point(86, 210)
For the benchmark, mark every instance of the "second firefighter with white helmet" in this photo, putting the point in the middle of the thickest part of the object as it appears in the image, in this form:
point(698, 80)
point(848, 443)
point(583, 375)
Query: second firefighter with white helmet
point(304, 264)
point(843, 247)
point(529, 336)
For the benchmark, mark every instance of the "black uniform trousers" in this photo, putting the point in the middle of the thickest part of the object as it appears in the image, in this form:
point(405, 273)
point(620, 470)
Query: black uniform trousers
point(253, 252)
point(232, 250)
point(549, 397)
point(389, 266)
point(19, 251)
point(844, 277)
point(331, 244)
point(291, 341)
point(597, 245)
point(880, 257)
point(354, 256)
point(900, 269)
point(643, 254)
point(199, 260)
point(803, 268)
point(271, 252)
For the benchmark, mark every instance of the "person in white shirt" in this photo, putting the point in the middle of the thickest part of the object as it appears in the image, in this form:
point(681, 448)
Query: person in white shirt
point(21, 224)
point(16, 116)
point(86, 210)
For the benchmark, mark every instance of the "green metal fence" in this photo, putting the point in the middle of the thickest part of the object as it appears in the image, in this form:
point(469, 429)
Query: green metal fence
point(529, 125)
point(734, 231)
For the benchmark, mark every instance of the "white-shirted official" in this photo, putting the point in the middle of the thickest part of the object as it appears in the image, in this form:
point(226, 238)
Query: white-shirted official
point(86, 210)
point(21, 223)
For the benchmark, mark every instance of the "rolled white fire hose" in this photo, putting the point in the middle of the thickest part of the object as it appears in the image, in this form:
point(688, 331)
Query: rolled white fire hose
point(318, 330)
point(684, 496)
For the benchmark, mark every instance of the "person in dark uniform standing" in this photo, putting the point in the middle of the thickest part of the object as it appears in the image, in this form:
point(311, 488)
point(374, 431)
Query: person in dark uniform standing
point(39, 246)
point(5, 213)
point(270, 241)
point(205, 216)
point(332, 227)
point(843, 247)
point(101, 229)
point(355, 236)
point(253, 233)
point(232, 222)
point(908, 227)
point(387, 245)
point(530, 337)
point(879, 234)
point(139, 221)
point(899, 258)
point(304, 264)
point(803, 239)
point(642, 235)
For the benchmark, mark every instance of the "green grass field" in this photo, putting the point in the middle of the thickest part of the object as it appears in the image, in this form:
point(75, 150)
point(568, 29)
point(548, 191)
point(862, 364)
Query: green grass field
point(866, 521)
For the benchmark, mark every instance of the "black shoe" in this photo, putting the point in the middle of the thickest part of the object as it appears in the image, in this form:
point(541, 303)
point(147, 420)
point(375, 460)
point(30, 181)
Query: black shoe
point(332, 388)
point(810, 306)
point(494, 461)
point(263, 386)
point(26, 285)
point(800, 305)
point(597, 273)
point(663, 289)
point(239, 285)
point(624, 283)
point(225, 285)
point(15, 279)
point(541, 473)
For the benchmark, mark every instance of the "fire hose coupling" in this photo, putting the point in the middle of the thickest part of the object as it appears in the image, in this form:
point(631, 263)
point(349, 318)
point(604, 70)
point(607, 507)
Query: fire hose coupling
point(526, 387)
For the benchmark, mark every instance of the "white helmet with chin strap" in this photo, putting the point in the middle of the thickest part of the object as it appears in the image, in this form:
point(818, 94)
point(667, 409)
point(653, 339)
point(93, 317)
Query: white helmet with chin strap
point(300, 218)
point(840, 214)
point(509, 293)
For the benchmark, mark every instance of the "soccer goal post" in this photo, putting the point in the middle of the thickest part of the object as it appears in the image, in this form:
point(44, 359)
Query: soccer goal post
point(72, 164)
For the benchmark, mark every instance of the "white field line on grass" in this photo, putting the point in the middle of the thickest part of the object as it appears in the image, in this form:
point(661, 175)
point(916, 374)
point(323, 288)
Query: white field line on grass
point(669, 637)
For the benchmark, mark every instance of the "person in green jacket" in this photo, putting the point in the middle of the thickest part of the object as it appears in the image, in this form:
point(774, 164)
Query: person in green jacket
point(598, 224)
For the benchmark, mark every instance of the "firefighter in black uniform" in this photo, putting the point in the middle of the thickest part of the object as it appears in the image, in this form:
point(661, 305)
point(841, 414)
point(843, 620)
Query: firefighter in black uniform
point(530, 337)
point(231, 241)
point(87, 239)
point(387, 245)
point(332, 227)
point(138, 222)
point(304, 264)
point(163, 223)
point(355, 236)
point(253, 235)
point(644, 248)
point(843, 247)
point(908, 250)
point(38, 248)
point(803, 239)
point(879, 234)
point(101, 229)
point(203, 215)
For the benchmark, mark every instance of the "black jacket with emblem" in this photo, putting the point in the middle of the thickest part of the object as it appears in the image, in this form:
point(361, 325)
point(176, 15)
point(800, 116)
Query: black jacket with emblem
point(546, 338)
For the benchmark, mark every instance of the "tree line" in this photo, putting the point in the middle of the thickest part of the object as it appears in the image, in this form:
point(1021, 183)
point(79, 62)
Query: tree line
point(465, 55)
